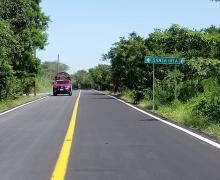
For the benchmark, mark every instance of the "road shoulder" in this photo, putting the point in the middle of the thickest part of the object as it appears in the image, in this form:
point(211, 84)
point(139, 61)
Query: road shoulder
point(193, 132)
point(11, 105)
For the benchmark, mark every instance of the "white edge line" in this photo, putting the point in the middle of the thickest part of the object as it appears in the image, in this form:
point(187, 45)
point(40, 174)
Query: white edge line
point(10, 110)
point(170, 124)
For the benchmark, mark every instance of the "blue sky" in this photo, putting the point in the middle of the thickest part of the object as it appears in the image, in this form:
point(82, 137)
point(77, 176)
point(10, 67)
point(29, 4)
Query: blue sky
point(82, 30)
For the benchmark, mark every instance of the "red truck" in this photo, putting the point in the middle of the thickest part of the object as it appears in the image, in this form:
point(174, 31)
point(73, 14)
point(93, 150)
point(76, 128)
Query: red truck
point(62, 84)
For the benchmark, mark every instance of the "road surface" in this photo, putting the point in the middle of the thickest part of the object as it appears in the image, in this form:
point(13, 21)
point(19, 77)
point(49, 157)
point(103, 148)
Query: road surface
point(112, 141)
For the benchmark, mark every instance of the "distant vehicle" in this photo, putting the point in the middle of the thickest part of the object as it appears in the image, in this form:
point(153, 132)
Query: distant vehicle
point(62, 84)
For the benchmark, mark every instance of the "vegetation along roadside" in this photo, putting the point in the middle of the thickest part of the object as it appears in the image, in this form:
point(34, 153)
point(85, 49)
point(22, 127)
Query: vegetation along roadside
point(196, 102)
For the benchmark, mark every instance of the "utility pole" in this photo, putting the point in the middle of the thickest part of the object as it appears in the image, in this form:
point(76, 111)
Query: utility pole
point(58, 59)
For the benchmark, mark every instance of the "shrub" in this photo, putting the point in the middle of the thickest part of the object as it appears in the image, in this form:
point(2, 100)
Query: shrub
point(128, 95)
point(208, 105)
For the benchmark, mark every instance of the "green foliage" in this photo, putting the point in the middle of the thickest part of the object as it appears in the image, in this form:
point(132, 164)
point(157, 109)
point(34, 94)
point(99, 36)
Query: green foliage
point(7, 104)
point(208, 103)
point(182, 42)
point(98, 77)
point(186, 83)
point(48, 69)
point(7, 80)
point(183, 113)
point(101, 77)
point(82, 79)
point(43, 84)
point(22, 30)
point(128, 69)
point(165, 89)
point(128, 95)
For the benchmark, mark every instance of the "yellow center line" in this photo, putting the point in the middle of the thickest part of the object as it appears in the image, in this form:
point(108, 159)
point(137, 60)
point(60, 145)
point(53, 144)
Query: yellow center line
point(62, 162)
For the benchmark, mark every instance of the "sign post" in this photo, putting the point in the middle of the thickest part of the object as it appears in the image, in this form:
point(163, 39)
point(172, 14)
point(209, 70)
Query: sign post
point(175, 93)
point(153, 87)
point(162, 60)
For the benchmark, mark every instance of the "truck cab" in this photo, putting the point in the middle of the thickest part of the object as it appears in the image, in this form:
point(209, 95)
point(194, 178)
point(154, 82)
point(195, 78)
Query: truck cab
point(62, 84)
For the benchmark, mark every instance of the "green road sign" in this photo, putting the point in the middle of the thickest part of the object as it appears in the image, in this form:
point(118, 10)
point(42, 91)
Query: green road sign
point(162, 60)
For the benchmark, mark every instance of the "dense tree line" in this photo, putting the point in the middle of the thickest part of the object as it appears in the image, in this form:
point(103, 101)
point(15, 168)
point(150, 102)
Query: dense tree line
point(198, 77)
point(49, 69)
point(22, 31)
point(98, 77)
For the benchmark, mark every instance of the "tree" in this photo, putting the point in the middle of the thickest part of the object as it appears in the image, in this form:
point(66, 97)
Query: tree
point(81, 79)
point(180, 41)
point(129, 71)
point(28, 26)
point(128, 68)
point(7, 81)
point(101, 76)
point(49, 69)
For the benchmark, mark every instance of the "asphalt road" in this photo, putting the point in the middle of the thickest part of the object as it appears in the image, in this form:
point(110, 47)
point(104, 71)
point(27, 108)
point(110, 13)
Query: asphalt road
point(112, 141)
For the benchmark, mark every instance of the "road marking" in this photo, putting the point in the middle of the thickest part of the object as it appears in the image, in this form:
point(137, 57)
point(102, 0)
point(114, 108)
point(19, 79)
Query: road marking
point(204, 139)
point(10, 110)
point(62, 162)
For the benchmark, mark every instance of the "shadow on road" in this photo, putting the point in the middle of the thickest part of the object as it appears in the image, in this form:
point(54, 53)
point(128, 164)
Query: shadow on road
point(102, 98)
point(96, 94)
point(148, 120)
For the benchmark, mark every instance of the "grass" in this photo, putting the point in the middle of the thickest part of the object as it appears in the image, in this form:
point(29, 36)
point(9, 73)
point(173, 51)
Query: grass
point(127, 96)
point(146, 104)
point(11, 103)
point(182, 113)
point(43, 85)
point(213, 129)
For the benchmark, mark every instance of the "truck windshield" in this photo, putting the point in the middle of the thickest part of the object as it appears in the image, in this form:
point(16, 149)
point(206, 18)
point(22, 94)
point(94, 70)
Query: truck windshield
point(62, 82)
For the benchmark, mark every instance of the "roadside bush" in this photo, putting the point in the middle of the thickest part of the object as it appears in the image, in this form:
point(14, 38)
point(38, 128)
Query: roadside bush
point(138, 95)
point(128, 95)
point(8, 83)
point(196, 121)
point(208, 105)
point(148, 94)
point(189, 89)
point(43, 84)
point(165, 89)
point(164, 93)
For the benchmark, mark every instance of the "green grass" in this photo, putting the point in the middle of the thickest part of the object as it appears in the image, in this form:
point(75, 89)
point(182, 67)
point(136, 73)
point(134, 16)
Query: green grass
point(213, 129)
point(127, 96)
point(11, 103)
point(43, 85)
point(179, 112)
point(182, 113)
point(146, 104)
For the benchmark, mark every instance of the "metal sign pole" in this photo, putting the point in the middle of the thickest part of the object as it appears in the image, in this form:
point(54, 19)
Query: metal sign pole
point(153, 87)
point(175, 93)
point(163, 60)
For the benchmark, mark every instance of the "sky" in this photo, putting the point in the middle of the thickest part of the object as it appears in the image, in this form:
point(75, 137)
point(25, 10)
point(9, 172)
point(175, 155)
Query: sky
point(81, 31)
